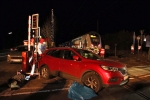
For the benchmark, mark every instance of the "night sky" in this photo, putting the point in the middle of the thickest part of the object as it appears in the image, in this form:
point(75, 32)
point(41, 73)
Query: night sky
point(73, 17)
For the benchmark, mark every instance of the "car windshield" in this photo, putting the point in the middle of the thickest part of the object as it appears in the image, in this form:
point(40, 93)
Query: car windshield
point(88, 54)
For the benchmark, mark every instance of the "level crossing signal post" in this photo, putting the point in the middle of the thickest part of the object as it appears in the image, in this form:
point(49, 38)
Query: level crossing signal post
point(35, 27)
point(30, 58)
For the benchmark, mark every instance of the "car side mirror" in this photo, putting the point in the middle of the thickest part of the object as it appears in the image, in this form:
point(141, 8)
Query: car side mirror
point(75, 57)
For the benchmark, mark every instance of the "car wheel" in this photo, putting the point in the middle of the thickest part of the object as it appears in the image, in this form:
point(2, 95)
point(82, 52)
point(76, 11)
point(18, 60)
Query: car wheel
point(93, 81)
point(45, 73)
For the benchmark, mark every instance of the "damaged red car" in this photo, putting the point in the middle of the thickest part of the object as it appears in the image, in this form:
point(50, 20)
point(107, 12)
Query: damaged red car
point(82, 66)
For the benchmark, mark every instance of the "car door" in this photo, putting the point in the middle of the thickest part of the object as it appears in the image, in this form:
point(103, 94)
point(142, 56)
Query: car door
point(53, 59)
point(68, 65)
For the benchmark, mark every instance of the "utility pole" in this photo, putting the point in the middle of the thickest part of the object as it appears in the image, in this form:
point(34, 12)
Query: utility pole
point(141, 31)
point(138, 38)
point(134, 39)
point(52, 27)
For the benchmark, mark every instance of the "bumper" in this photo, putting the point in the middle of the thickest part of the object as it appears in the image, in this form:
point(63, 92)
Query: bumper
point(124, 82)
point(115, 78)
point(16, 60)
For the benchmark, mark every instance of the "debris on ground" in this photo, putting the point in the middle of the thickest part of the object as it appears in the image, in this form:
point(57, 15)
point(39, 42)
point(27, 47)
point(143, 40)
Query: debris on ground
point(80, 92)
point(17, 80)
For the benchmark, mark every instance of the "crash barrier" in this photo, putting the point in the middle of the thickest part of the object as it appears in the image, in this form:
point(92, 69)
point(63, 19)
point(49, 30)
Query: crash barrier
point(80, 92)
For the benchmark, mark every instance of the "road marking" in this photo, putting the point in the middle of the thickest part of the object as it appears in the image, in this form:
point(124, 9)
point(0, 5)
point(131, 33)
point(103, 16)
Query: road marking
point(131, 78)
point(144, 76)
point(11, 93)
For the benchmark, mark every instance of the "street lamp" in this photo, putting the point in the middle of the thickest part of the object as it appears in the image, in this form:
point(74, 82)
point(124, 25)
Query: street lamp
point(10, 39)
point(10, 33)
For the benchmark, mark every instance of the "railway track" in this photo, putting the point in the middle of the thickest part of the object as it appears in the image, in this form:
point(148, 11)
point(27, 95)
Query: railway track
point(140, 81)
point(140, 93)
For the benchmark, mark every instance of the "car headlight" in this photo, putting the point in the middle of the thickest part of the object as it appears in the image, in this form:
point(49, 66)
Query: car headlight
point(109, 68)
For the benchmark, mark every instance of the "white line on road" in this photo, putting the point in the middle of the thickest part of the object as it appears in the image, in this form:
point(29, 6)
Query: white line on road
point(41, 91)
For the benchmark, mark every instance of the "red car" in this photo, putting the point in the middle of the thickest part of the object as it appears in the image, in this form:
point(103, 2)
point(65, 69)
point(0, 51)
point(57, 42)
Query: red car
point(83, 66)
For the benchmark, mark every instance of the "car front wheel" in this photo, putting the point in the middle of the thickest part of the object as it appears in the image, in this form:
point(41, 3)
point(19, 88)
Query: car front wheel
point(45, 73)
point(92, 81)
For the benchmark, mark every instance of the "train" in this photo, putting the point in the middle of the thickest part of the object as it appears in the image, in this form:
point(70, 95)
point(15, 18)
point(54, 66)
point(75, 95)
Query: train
point(90, 41)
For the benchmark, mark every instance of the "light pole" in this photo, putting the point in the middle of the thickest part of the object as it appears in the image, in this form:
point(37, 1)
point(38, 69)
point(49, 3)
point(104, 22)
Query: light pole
point(10, 33)
point(9, 41)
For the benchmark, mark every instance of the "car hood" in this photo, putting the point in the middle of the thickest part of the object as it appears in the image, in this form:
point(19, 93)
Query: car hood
point(108, 62)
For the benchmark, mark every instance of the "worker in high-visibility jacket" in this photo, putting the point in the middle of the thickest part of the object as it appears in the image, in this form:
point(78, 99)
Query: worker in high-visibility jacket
point(41, 46)
point(102, 52)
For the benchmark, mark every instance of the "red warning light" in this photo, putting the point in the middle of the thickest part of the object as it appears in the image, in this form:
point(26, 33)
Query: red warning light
point(35, 21)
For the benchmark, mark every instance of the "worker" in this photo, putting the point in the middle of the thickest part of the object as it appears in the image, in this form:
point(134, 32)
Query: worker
point(102, 52)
